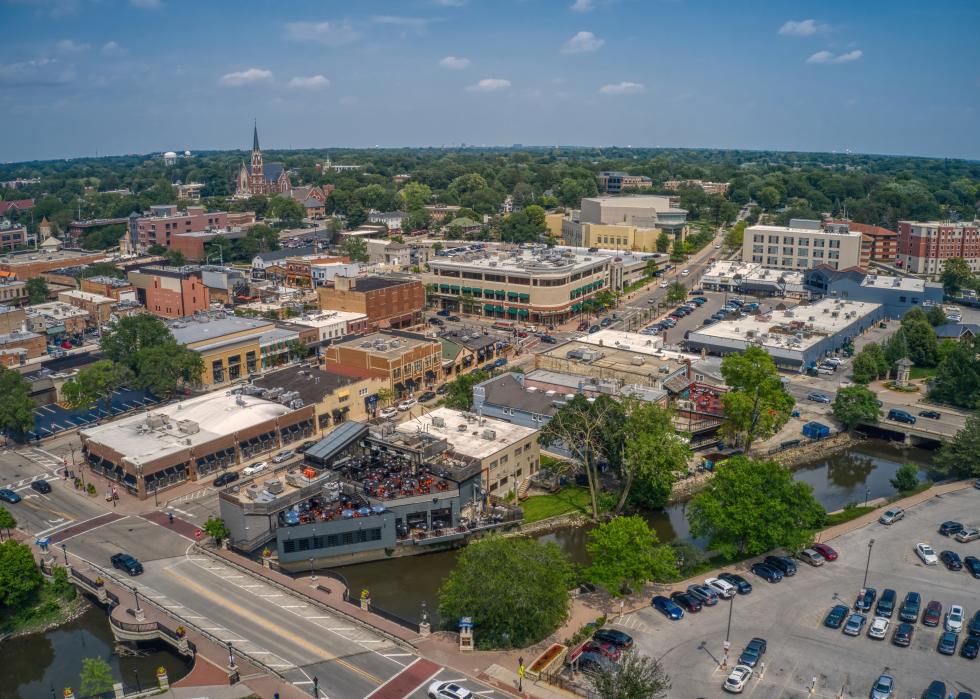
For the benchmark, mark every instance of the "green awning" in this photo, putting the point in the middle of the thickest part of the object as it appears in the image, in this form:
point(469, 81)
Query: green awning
point(499, 309)
point(524, 297)
point(523, 312)
point(466, 290)
point(454, 288)
point(488, 307)
point(444, 287)
point(500, 293)
point(576, 307)
point(512, 294)
point(488, 293)
point(512, 311)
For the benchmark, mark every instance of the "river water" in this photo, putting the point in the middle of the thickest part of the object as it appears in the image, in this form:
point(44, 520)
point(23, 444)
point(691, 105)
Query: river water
point(31, 666)
point(400, 585)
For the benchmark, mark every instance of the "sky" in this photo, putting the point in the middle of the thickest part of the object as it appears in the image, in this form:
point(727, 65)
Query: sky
point(107, 77)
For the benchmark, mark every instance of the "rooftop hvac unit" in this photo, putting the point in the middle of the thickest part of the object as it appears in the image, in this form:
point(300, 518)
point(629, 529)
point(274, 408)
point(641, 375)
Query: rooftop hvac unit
point(381, 347)
point(489, 435)
point(253, 491)
point(461, 427)
point(296, 404)
point(532, 389)
point(665, 369)
point(274, 486)
point(438, 421)
point(188, 427)
point(395, 343)
point(835, 314)
point(550, 393)
point(637, 361)
point(156, 420)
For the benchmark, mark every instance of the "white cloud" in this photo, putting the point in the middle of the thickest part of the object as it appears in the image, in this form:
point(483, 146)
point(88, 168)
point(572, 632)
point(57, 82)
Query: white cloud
point(40, 71)
point(245, 77)
point(146, 4)
point(622, 88)
point(582, 6)
point(454, 62)
point(489, 85)
point(327, 33)
point(414, 22)
point(69, 46)
point(830, 57)
point(583, 42)
point(313, 82)
point(803, 27)
point(111, 48)
point(55, 9)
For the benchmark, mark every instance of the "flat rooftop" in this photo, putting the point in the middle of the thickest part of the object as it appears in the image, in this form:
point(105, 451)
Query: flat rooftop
point(384, 344)
point(110, 281)
point(591, 358)
point(784, 230)
point(23, 258)
point(636, 201)
point(56, 309)
point(87, 296)
point(199, 328)
point(619, 339)
point(537, 260)
point(468, 441)
point(878, 281)
point(326, 318)
point(375, 283)
point(312, 383)
point(751, 271)
point(181, 426)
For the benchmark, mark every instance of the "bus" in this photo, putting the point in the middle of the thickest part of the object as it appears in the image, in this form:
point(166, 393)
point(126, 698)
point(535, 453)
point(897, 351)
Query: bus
point(504, 325)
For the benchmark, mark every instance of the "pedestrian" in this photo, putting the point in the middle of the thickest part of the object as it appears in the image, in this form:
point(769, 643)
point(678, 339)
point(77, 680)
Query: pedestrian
point(170, 516)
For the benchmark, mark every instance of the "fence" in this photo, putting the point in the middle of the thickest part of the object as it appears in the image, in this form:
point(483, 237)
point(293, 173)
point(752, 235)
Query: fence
point(355, 600)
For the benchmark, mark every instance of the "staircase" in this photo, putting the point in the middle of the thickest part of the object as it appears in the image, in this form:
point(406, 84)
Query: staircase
point(523, 488)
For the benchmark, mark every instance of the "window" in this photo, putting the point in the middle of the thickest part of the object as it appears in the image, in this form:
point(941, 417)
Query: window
point(362, 392)
point(503, 460)
point(527, 447)
point(787, 240)
point(758, 238)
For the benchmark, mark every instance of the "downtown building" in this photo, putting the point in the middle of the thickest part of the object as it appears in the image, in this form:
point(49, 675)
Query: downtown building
point(923, 246)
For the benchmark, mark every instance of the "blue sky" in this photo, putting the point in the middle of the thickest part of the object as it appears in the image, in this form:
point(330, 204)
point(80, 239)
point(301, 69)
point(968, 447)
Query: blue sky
point(80, 77)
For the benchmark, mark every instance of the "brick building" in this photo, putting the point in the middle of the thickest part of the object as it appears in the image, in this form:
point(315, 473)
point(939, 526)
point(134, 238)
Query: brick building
point(19, 346)
point(386, 301)
point(119, 289)
point(99, 307)
point(11, 318)
point(166, 221)
point(258, 177)
point(877, 243)
point(408, 361)
point(34, 263)
point(171, 292)
point(191, 243)
point(13, 292)
point(923, 246)
point(13, 237)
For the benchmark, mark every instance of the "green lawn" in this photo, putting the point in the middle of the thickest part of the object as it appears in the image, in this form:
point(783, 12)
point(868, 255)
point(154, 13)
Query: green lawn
point(569, 499)
point(922, 372)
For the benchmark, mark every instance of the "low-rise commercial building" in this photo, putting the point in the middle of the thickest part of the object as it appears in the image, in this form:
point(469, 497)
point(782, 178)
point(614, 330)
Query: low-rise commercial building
point(13, 292)
point(624, 223)
point(801, 245)
point(264, 261)
point(898, 295)
point(171, 292)
point(99, 307)
point(17, 346)
point(13, 237)
point(57, 319)
point(11, 318)
point(752, 278)
point(705, 186)
point(409, 362)
point(163, 222)
point(118, 289)
point(388, 302)
point(191, 244)
point(924, 246)
point(506, 398)
point(331, 326)
point(796, 338)
point(33, 263)
point(614, 182)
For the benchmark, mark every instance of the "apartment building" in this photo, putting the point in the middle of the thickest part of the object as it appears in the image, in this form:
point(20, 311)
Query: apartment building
point(388, 302)
point(802, 244)
point(705, 186)
point(165, 221)
point(877, 243)
point(13, 237)
point(407, 361)
point(923, 246)
point(614, 182)
point(538, 284)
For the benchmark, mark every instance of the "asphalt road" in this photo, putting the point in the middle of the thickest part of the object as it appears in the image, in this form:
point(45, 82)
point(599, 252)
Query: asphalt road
point(789, 615)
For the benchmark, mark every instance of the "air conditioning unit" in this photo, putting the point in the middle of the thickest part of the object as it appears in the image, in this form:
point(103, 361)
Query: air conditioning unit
point(489, 435)
point(438, 421)
point(637, 361)
point(274, 486)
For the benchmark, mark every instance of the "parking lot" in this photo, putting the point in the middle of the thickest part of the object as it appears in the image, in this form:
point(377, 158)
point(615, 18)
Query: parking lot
point(790, 615)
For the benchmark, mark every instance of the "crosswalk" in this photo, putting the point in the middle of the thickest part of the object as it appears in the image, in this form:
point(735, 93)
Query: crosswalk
point(43, 458)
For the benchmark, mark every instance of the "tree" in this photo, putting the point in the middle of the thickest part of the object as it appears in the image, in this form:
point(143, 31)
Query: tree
point(459, 391)
point(130, 334)
point(960, 456)
point(514, 589)
point(37, 290)
point(956, 275)
point(16, 408)
point(757, 405)
point(101, 269)
point(663, 242)
point(855, 405)
point(906, 478)
point(162, 369)
point(676, 292)
point(936, 316)
point(896, 347)
point(654, 457)
point(626, 553)
point(957, 379)
point(417, 219)
point(96, 677)
point(216, 529)
point(921, 340)
point(175, 258)
point(95, 384)
point(870, 364)
point(735, 236)
point(415, 195)
point(19, 576)
point(7, 521)
point(385, 396)
point(357, 216)
point(768, 198)
point(636, 677)
point(354, 248)
point(289, 212)
point(591, 431)
point(751, 507)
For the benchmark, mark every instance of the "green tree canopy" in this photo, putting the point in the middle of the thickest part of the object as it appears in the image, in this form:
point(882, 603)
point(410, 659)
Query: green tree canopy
point(162, 369)
point(751, 507)
point(870, 364)
point(936, 316)
point(459, 391)
point(16, 408)
point(124, 338)
point(676, 292)
point(20, 578)
point(906, 478)
point(956, 275)
point(101, 269)
point(415, 195)
point(663, 242)
point(960, 456)
point(354, 248)
point(654, 457)
point(37, 290)
point(515, 589)
point(96, 677)
point(626, 553)
point(637, 676)
point(957, 380)
point(7, 521)
point(95, 383)
point(757, 405)
point(855, 405)
point(215, 528)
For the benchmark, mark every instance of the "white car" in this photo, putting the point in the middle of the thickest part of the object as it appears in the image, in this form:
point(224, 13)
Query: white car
point(663, 285)
point(878, 628)
point(407, 404)
point(954, 618)
point(927, 555)
point(737, 680)
point(685, 272)
point(717, 246)
point(723, 588)
point(255, 468)
point(448, 690)
point(387, 413)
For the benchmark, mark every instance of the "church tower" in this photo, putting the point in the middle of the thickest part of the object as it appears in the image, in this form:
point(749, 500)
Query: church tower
point(258, 170)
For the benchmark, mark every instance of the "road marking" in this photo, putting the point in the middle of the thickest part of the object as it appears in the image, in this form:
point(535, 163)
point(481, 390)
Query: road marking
point(319, 617)
point(292, 606)
point(275, 595)
point(340, 628)
point(397, 655)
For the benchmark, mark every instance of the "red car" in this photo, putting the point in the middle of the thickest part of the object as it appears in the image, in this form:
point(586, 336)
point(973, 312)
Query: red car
point(606, 649)
point(825, 551)
point(66, 345)
point(933, 613)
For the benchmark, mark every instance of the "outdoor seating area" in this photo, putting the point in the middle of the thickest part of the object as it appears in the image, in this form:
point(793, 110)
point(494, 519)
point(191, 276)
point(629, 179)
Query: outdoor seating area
point(325, 508)
point(390, 478)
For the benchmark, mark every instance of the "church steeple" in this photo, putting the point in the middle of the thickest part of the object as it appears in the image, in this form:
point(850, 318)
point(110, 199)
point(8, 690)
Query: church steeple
point(255, 136)
point(257, 170)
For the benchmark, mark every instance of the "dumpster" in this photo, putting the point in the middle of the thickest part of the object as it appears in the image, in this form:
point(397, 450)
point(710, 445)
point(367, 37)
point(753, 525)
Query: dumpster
point(816, 430)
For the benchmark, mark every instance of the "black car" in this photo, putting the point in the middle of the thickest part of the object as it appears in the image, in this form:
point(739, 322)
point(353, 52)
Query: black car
point(865, 599)
point(767, 573)
point(784, 564)
point(743, 586)
point(549, 340)
point(126, 563)
point(910, 607)
point(951, 560)
point(41, 486)
point(931, 414)
point(226, 478)
point(949, 528)
point(441, 391)
point(903, 635)
point(886, 603)
point(686, 600)
point(935, 690)
point(436, 321)
point(453, 319)
point(753, 652)
point(427, 396)
point(835, 617)
point(972, 564)
point(307, 444)
point(973, 628)
point(616, 638)
point(594, 329)
point(970, 648)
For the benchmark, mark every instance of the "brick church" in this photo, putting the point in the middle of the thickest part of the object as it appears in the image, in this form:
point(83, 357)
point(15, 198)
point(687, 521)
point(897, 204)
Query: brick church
point(261, 178)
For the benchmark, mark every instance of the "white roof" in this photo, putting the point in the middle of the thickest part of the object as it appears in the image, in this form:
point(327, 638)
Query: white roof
point(328, 318)
point(630, 342)
point(87, 296)
point(469, 441)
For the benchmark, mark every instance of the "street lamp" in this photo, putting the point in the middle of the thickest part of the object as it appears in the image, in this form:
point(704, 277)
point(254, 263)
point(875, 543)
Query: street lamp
point(139, 687)
point(312, 574)
point(728, 631)
point(871, 543)
point(231, 655)
point(64, 548)
point(136, 595)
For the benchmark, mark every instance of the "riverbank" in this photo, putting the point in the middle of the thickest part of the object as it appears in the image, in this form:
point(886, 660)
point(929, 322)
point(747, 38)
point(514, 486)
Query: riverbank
point(52, 608)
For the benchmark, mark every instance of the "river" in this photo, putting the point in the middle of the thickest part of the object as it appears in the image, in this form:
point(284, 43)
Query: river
point(35, 666)
point(850, 476)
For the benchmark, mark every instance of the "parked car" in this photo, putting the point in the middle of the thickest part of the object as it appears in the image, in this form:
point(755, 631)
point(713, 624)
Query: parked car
point(605, 322)
point(441, 391)
point(617, 638)
point(954, 618)
point(283, 456)
point(865, 599)
point(387, 413)
point(41, 486)
point(126, 563)
point(935, 690)
point(784, 564)
point(883, 687)
point(886, 603)
point(812, 557)
point(931, 414)
point(685, 272)
point(973, 628)
point(407, 404)
point(878, 628)
point(950, 527)
point(686, 600)
point(835, 617)
point(932, 614)
point(436, 321)
point(827, 552)
point(743, 586)
point(307, 444)
point(910, 607)
point(707, 596)
point(818, 397)
point(252, 469)
point(591, 663)
point(903, 635)
point(927, 554)
point(7, 495)
point(970, 648)
point(500, 361)
point(723, 588)
point(767, 573)
point(892, 515)
point(737, 679)
point(443, 312)
point(951, 560)
point(225, 478)
point(855, 624)
point(594, 329)
point(548, 339)
point(667, 607)
point(965, 535)
point(607, 649)
point(972, 564)
point(753, 652)
point(897, 415)
point(947, 643)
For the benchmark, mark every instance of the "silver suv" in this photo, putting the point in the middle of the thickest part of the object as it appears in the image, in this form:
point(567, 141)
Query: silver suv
point(891, 516)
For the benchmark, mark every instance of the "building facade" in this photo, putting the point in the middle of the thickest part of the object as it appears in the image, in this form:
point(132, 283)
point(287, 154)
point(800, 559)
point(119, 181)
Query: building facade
point(801, 245)
point(171, 292)
point(409, 362)
point(388, 302)
point(13, 237)
point(614, 182)
point(166, 221)
point(897, 295)
point(624, 223)
point(258, 177)
point(13, 292)
point(877, 244)
point(923, 246)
